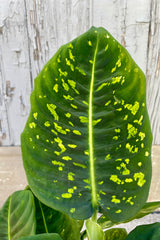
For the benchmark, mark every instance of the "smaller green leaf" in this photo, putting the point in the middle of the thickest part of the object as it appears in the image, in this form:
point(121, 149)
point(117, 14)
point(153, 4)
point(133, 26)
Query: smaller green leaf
point(148, 208)
point(145, 232)
point(116, 234)
point(51, 221)
point(17, 216)
point(94, 231)
point(45, 236)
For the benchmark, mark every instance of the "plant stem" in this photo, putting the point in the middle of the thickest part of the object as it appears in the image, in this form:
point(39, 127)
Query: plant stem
point(94, 216)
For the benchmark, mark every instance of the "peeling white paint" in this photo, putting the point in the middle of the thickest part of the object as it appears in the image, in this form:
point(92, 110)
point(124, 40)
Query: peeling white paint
point(32, 31)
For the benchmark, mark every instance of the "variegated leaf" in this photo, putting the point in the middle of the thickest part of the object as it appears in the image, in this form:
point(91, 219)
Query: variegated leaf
point(87, 141)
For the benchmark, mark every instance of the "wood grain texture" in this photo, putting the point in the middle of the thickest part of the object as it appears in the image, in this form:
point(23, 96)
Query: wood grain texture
point(51, 24)
point(15, 75)
point(31, 31)
point(153, 71)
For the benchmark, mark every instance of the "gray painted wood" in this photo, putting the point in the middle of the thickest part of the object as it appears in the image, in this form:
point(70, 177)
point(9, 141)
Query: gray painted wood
point(31, 31)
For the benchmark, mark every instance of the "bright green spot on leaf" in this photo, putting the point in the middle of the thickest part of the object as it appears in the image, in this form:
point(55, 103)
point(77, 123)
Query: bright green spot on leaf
point(81, 71)
point(102, 85)
point(116, 79)
point(89, 43)
point(128, 180)
point(53, 131)
point(117, 130)
point(131, 148)
point(62, 73)
point(68, 97)
point(47, 124)
point(66, 195)
point(83, 119)
point(72, 210)
point(59, 128)
point(58, 163)
point(142, 135)
point(55, 88)
point(72, 145)
point(140, 177)
point(115, 200)
point(71, 55)
point(35, 115)
point(32, 125)
point(96, 121)
point(146, 153)
point(71, 176)
point(115, 179)
point(133, 108)
point(66, 158)
point(139, 164)
point(132, 131)
point(106, 48)
point(108, 156)
point(51, 107)
point(139, 121)
point(76, 132)
point(74, 106)
point(79, 165)
point(65, 85)
point(68, 115)
point(118, 211)
point(115, 138)
point(129, 201)
point(71, 124)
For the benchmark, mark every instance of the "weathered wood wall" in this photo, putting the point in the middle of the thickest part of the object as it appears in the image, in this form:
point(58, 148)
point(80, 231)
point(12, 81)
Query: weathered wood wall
point(31, 31)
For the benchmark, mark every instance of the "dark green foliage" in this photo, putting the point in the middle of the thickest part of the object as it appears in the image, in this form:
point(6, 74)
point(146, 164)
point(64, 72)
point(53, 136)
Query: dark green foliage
point(145, 232)
point(116, 234)
point(51, 221)
point(17, 216)
point(86, 147)
point(87, 141)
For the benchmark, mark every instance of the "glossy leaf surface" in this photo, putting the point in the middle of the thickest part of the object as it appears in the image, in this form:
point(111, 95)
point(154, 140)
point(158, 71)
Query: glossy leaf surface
point(145, 232)
point(87, 141)
point(17, 216)
point(45, 236)
point(115, 234)
point(51, 221)
point(148, 208)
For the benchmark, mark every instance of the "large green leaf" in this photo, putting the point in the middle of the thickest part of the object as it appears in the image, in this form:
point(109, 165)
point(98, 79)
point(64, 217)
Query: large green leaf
point(51, 221)
point(44, 236)
point(145, 232)
point(17, 216)
point(87, 141)
point(105, 222)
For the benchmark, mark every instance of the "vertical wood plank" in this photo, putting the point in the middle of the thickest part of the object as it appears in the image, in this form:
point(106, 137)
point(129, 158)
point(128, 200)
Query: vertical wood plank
point(128, 22)
point(15, 76)
point(153, 71)
point(52, 23)
point(4, 127)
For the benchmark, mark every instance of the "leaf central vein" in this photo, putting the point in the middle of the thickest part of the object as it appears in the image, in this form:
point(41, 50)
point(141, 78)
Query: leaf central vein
point(90, 118)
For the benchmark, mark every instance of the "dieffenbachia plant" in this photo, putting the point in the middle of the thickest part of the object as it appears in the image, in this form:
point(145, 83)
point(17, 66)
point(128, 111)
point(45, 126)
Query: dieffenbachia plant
point(87, 143)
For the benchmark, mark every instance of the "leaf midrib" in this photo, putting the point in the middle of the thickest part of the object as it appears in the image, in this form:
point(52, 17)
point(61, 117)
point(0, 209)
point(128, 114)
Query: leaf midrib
point(9, 214)
point(43, 217)
point(90, 117)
